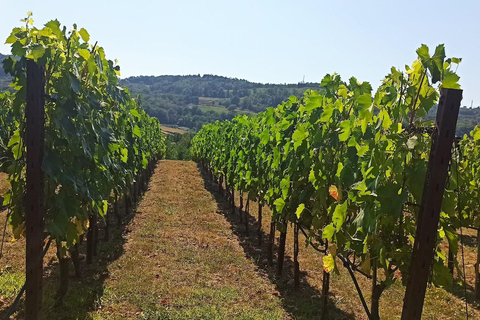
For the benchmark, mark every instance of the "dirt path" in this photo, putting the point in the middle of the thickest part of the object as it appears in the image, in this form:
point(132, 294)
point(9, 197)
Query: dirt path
point(182, 260)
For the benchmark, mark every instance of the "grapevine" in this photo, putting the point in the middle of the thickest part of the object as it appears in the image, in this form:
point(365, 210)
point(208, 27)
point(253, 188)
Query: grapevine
point(98, 139)
point(344, 164)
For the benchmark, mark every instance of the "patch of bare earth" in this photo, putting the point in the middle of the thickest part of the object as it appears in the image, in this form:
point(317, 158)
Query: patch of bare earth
point(4, 184)
point(170, 130)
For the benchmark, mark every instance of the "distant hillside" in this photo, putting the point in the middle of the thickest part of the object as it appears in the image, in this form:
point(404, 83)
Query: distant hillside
point(2, 73)
point(4, 80)
point(468, 118)
point(193, 100)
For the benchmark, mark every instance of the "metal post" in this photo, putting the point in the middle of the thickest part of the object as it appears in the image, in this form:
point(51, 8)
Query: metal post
point(429, 214)
point(34, 211)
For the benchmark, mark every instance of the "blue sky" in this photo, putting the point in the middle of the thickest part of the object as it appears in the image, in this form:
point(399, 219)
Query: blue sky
point(268, 41)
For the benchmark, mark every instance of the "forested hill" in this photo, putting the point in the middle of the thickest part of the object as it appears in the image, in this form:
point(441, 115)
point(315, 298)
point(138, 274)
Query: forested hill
point(4, 80)
point(193, 100)
point(2, 73)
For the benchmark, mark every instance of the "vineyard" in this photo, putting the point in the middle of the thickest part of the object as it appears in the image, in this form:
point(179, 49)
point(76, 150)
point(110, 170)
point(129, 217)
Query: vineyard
point(346, 167)
point(99, 145)
point(372, 196)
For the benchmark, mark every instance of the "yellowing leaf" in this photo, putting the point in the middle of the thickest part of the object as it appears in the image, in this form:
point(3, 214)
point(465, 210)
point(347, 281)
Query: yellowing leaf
point(79, 225)
point(366, 264)
point(328, 263)
point(333, 192)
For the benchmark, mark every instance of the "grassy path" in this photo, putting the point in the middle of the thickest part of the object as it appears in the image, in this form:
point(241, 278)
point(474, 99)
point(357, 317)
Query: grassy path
point(182, 261)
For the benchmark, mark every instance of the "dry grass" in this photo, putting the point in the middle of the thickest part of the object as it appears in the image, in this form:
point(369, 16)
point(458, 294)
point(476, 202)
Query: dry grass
point(12, 265)
point(181, 260)
point(4, 184)
point(170, 130)
point(439, 303)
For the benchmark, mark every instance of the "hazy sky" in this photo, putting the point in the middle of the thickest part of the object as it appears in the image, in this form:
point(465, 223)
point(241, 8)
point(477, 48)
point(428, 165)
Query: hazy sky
point(268, 41)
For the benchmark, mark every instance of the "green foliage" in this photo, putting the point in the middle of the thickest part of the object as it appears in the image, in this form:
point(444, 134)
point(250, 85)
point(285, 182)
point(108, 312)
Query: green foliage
point(343, 162)
point(97, 138)
point(178, 146)
point(194, 100)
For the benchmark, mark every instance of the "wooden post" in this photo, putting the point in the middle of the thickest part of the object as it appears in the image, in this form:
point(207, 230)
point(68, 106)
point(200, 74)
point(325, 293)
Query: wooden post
point(296, 265)
point(75, 254)
point(134, 192)
point(450, 260)
point(259, 230)
point(232, 199)
point(429, 213)
point(247, 214)
point(116, 213)
point(91, 238)
point(240, 209)
point(34, 209)
point(126, 200)
point(271, 240)
point(477, 270)
point(281, 249)
point(63, 288)
point(325, 290)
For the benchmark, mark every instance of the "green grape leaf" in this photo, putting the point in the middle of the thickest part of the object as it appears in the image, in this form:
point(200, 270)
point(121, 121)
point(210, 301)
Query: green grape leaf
point(345, 129)
point(300, 209)
point(37, 51)
point(327, 113)
point(298, 136)
point(279, 204)
point(339, 169)
point(362, 149)
point(124, 155)
point(475, 133)
point(137, 132)
point(74, 83)
point(339, 215)
point(441, 275)
point(450, 81)
point(135, 113)
point(314, 103)
point(391, 198)
point(15, 139)
point(84, 53)
point(18, 49)
point(84, 34)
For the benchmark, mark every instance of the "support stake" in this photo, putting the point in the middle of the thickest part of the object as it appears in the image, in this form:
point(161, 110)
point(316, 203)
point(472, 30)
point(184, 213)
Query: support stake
point(34, 210)
point(429, 214)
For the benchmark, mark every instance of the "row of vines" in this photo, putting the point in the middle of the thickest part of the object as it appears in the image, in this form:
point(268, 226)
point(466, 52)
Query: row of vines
point(100, 145)
point(347, 165)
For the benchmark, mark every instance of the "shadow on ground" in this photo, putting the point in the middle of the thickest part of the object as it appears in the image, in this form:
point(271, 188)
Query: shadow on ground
point(459, 288)
point(303, 303)
point(470, 241)
point(83, 293)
